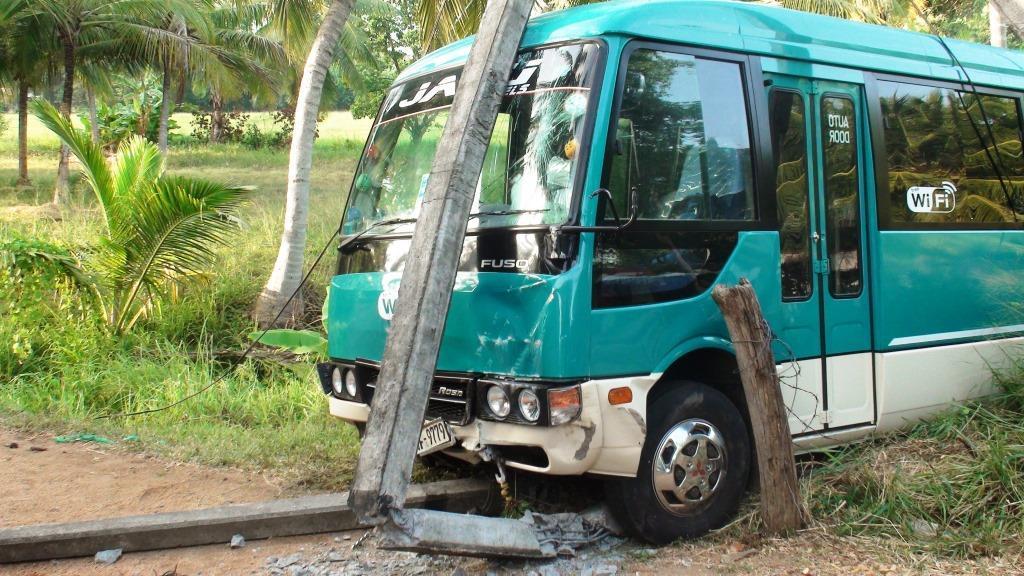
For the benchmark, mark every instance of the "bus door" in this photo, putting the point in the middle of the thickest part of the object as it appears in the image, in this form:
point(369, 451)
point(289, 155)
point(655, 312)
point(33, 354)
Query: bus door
point(820, 149)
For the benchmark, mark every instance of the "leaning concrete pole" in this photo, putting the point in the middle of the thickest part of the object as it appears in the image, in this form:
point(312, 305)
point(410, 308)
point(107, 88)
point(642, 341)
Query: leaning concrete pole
point(410, 355)
point(1011, 14)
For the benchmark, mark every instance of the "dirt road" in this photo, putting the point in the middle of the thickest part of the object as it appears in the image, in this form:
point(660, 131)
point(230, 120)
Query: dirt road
point(83, 481)
point(45, 482)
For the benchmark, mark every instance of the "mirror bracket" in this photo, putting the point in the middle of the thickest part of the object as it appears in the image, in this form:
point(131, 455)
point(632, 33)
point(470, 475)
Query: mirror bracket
point(619, 225)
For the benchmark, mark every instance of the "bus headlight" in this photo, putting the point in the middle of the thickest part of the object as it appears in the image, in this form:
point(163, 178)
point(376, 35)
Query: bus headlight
point(497, 401)
point(338, 381)
point(564, 404)
point(529, 405)
point(350, 383)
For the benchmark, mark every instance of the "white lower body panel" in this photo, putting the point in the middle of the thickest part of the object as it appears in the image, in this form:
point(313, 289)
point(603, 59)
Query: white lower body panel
point(913, 384)
point(608, 439)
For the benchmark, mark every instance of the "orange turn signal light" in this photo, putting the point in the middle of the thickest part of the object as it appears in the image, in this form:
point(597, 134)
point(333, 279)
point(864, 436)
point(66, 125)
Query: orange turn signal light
point(623, 395)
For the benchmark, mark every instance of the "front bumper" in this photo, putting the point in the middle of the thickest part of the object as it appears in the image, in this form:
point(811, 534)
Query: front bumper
point(605, 439)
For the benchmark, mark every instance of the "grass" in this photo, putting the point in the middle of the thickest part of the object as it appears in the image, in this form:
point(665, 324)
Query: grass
point(949, 490)
point(59, 370)
point(952, 486)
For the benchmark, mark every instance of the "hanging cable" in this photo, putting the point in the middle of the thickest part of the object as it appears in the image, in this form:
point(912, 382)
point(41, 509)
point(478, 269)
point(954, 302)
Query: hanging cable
point(252, 346)
point(995, 161)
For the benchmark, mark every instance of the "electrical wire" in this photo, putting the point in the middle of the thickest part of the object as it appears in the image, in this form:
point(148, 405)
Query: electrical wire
point(252, 346)
point(997, 161)
point(238, 361)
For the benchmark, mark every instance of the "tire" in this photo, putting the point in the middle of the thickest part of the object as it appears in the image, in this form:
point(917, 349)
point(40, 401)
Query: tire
point(681, 420)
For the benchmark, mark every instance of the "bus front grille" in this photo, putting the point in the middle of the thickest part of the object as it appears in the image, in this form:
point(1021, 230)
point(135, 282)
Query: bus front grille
point(451, 397)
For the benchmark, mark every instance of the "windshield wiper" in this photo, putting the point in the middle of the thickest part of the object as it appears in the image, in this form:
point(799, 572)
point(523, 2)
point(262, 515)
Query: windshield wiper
point(352, 242)
point(508, 212)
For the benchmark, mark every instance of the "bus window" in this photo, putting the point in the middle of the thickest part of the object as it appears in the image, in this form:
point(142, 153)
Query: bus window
point(682, 139)
point(842, 198)
point(943, 157)
point(789, 141)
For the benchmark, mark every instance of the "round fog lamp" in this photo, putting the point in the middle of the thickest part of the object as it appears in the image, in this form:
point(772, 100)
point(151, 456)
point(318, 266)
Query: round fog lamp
point(350, 383)
point(337, 381)
point(497, 401)
point(529, 405)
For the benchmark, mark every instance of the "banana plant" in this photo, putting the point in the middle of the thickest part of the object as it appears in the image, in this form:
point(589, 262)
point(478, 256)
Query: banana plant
point(160, 231)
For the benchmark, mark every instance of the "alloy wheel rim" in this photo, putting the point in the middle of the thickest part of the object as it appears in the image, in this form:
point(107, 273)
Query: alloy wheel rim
point(689, 466)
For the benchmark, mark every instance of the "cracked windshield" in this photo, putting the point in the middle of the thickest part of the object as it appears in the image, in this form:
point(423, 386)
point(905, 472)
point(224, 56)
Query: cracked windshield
point(531, 160)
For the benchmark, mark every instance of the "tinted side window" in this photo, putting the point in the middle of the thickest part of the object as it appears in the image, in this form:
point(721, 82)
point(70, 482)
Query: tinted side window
point(789, 142)
point(683, 139)
point(939, 168)
point(842, 194)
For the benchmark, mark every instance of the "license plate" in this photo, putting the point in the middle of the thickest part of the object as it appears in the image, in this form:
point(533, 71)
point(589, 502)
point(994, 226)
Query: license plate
point(435, 435)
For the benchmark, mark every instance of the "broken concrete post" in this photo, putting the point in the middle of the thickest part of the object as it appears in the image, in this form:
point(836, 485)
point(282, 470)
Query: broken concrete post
point(459, 534)
point(780, 495)
point(410, 355)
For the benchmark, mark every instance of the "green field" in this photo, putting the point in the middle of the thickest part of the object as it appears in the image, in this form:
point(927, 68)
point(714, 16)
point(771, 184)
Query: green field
point(59, 369)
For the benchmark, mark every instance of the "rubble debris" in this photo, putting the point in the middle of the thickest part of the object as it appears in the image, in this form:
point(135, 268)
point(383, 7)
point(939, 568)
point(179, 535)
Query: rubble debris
point(108, 556)
point(237, 541)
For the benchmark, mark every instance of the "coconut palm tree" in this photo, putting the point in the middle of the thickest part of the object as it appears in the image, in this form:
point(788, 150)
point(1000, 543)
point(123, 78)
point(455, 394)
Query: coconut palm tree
point(248, 58)
point(160, 230)
point(221, 49)
point(82, 24)
point(28, 48)
point(287, 272)
point(292, 23)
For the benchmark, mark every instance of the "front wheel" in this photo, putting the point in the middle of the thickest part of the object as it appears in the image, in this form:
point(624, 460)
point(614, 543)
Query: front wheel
point(693, 468)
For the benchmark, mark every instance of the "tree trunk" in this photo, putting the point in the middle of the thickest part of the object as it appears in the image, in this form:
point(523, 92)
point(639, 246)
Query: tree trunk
point(23, 179)
point(1011, 14)
point(94, 118)
point(165, 109)
point(997, 30)
point(781, 507)
point(287, 273)
point(414, 339)
point(216, 116)
point(63, 187)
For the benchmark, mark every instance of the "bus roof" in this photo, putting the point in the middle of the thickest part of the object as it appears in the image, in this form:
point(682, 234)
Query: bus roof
point(766, 30)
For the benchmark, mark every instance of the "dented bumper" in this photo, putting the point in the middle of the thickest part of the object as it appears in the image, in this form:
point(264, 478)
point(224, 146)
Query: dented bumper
point(605, 439)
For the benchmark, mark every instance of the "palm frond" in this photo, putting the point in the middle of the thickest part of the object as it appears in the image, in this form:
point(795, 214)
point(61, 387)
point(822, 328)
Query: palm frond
point(94, 164)
point(176, 223)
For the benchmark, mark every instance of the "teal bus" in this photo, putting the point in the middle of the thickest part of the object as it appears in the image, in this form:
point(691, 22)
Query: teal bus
point(869, 182)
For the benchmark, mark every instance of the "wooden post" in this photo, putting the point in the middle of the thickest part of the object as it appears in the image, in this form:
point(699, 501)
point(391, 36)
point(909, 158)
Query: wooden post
point(780, 494)
point(410, 355)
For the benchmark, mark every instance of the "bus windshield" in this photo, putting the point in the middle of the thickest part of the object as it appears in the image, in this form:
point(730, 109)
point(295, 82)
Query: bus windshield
point(531, 160)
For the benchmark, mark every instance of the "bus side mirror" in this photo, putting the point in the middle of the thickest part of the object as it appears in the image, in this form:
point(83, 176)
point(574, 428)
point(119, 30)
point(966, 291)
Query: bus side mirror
point(634, 203)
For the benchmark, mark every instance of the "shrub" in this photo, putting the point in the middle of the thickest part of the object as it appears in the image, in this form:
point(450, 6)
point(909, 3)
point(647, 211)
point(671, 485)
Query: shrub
point(236, 127)
point(160, 230)
point(3, 125)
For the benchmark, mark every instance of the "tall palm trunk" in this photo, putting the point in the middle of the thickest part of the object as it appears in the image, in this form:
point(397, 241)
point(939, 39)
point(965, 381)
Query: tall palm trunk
point(63, 187)
point(216, 116)
point(94, 118)
point(23, 179)
point(287, 273)
point(165, 109)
